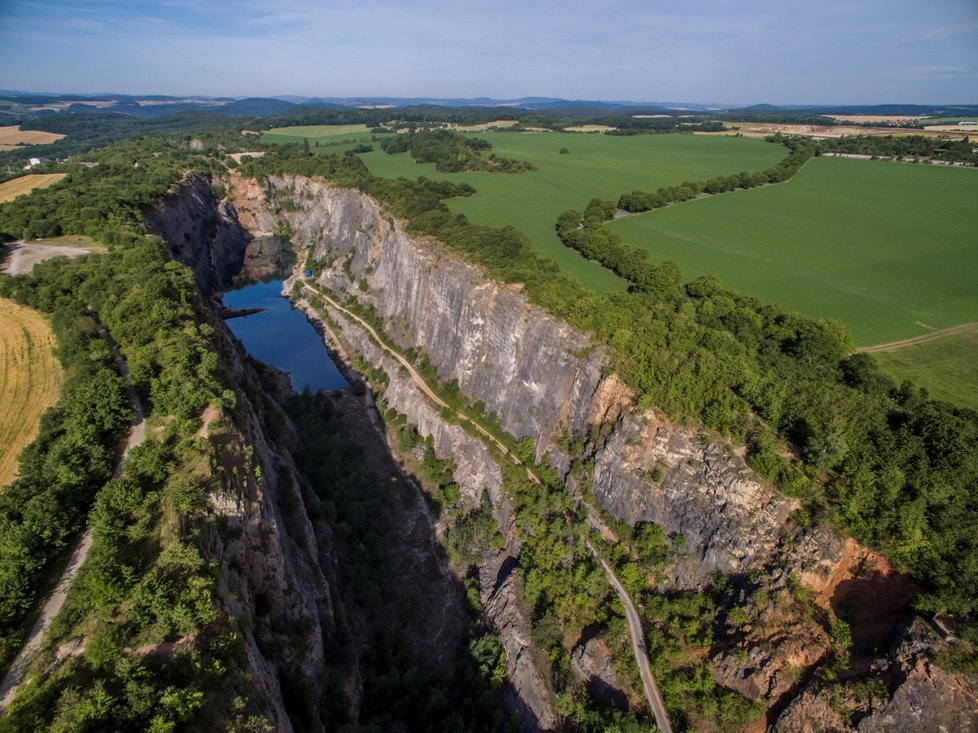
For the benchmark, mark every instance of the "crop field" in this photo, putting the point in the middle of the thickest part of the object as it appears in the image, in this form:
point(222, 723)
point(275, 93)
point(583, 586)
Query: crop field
point(927, 122)
point(30, 380)
point(322, 134)
point(890, 249)
point(12, 137)
point(25, 184)
point(596, 166)
point(947, 367)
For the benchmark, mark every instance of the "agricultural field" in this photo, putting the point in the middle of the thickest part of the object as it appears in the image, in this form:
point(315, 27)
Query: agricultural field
point(596, 166)
point(13, 138)
point(322, 134)
point(947, 367)
point(15, 187)
point(929, 121)
point(30, 380)
point(890, 249)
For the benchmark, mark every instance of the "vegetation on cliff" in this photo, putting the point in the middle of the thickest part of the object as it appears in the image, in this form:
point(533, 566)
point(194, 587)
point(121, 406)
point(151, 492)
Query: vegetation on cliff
point(452, 152)
point(150, 643)
point(880, 460)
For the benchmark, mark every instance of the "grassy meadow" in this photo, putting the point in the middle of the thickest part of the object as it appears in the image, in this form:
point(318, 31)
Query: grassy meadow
point(596, 166)
point(947, 367)
point(889, 249)
point(322, 134)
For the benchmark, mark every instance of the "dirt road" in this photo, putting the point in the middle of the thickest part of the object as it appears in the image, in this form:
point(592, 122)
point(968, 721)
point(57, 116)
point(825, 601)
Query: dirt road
point(892, 345)
point(137, 434)
point(638, 646)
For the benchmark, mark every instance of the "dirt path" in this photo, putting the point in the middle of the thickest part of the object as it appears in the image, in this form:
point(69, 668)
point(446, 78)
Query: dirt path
point(21, 256)
point(631, 614)
point(137, 434)
point(638, 646)
point(924, 338)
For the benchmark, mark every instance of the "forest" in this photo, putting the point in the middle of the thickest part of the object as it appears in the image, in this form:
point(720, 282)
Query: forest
point(452, 152)
point(879, 460)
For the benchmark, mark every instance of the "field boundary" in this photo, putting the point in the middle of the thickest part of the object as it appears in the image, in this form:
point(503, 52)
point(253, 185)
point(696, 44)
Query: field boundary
point(30, 380)
point(922, 339)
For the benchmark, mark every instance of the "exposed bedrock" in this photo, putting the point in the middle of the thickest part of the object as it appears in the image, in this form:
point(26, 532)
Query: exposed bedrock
point(546, 380)
point(200, 232)
point(543, 378)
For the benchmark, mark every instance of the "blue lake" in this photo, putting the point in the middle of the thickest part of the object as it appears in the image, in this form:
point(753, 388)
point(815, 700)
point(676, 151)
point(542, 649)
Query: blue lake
point(281, 336)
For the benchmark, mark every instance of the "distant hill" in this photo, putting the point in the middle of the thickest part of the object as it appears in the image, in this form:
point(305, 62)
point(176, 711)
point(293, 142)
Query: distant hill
point(20, 105)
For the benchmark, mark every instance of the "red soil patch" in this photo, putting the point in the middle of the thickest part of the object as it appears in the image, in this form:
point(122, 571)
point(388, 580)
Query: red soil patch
point(869, 593)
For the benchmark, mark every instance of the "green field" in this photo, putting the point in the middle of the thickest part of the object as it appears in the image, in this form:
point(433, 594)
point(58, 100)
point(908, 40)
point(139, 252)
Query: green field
point(947, 367)
point(323, 134)
point(598, 165)
point(946, 120)
point(881, 246)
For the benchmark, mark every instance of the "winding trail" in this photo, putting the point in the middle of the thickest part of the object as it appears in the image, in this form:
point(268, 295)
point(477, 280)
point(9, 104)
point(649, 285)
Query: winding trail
point(924, 338)
point(638, 645)
point(137, 434)
point(631, 614)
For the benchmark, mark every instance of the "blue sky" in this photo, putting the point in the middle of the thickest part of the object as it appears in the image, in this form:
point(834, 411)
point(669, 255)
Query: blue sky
point(781, 52)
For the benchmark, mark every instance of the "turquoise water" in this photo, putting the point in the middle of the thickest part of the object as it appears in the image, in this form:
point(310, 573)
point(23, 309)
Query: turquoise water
point(281, 336)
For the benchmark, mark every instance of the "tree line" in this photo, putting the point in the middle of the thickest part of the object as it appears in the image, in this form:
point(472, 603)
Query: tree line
point(880, 460)
point(452, 152)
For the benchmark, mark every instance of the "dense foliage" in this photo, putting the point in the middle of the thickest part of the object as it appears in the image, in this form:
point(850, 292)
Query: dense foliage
point(452, 152)
point(60, 472)
point(152, 650)
point(879, 460)
point(909, 146)
point(86, 132)
point(105, 199)
point(801, 151)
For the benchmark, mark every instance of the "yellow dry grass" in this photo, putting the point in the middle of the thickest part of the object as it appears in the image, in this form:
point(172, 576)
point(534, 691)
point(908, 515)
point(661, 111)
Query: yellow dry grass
point(25, 184)
point(30, 380)
point(589, 128)
point(963, 129)
point(13, 135)
point(483, 126)
point(877, 118)
point(763, 129)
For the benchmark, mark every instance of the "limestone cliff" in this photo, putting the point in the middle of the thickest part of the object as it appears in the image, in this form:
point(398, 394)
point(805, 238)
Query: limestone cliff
point(541, 377)
point(200, 232)
point(548, 381)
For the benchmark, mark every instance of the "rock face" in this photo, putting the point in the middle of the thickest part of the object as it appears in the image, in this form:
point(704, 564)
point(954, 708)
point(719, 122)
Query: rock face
point(541, 377)
point(200, 232)
point(928, 698)
point(546, 381)
point(476, 472)
point(924, 696)
point(273, 569)
point(591, 663)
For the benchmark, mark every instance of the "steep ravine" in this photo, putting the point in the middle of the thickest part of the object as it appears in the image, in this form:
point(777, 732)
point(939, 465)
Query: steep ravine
point(547, 381)
point(308, 631)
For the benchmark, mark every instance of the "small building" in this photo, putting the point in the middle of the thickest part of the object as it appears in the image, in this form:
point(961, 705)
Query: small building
point(32, 162)
point(308, 273)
